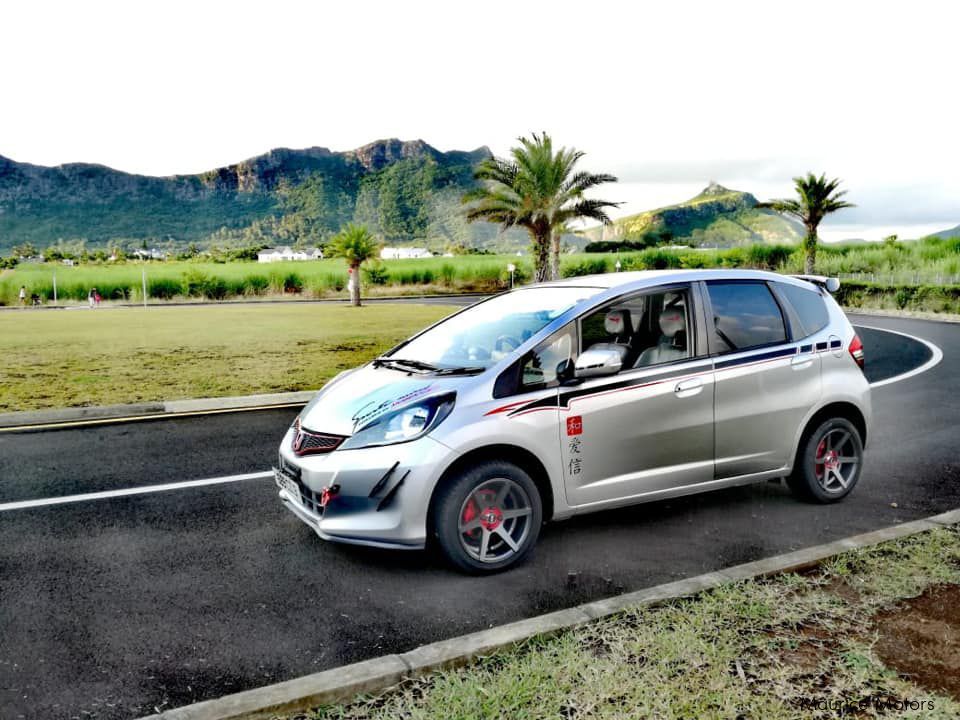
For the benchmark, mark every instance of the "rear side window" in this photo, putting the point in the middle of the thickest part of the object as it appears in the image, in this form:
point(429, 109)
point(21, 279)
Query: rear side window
point(809, 306)
point(745, 315)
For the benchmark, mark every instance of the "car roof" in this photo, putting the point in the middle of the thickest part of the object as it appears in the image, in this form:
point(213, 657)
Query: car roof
point(640, 279)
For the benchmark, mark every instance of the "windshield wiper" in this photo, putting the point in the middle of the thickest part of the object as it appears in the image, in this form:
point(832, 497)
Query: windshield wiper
point(425, 367)
point(415, 364)
point(460, 371)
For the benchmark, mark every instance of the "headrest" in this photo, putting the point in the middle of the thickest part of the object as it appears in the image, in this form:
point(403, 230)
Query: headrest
point(673, 320)
point(617, 322)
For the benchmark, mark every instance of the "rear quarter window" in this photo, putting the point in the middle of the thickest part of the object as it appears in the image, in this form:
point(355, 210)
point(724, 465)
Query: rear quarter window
point(809, 307)
point(745, 315)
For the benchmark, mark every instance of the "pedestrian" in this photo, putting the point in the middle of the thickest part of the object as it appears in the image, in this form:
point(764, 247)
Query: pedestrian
point(23, 294)
point(91, 296)
point(96, 297)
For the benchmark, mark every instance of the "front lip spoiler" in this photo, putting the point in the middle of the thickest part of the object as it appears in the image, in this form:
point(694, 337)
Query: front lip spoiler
point(314, 522)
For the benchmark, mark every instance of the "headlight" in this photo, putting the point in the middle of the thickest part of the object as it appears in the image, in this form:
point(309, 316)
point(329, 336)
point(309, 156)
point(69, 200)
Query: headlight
point(402, 425)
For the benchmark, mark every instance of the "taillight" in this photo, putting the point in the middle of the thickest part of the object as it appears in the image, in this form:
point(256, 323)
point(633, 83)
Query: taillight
point(856, 350)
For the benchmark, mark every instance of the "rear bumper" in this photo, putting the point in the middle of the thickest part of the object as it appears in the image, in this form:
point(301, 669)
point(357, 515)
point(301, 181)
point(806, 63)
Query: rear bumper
point(383, 492)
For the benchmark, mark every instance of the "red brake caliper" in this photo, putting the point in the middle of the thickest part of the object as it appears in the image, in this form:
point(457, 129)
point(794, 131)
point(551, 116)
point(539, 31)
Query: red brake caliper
point(472, 510)
point(818, 468)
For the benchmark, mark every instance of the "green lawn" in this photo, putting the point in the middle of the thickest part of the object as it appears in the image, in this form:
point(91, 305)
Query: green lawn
point(837, 642)
point(119, 355)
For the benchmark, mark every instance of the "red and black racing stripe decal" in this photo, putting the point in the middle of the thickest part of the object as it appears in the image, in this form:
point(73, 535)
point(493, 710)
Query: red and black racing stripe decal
point(564, 398)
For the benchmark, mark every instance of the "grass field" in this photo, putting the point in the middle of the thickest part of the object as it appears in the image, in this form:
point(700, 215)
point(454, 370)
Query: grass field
point(123, 355)
point(837, 642)
point(912, 263)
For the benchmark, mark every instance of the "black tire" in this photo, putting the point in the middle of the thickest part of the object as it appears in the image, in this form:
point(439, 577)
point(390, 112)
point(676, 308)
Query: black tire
point(469, 502)
point(836, 443)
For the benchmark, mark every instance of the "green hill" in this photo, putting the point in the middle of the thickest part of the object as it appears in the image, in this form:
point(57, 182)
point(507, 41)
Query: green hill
point(407, 191)
point(717, 217)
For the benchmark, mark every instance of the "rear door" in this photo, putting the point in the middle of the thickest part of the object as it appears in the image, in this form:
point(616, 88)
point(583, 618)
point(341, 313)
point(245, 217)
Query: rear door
point(765, 380)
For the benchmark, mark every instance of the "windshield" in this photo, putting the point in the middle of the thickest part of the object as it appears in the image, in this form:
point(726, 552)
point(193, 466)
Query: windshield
point(482, 335)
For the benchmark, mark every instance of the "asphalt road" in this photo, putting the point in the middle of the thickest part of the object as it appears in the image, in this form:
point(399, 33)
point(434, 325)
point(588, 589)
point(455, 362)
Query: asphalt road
point(114, 608)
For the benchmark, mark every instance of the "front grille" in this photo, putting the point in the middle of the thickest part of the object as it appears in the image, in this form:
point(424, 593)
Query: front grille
point(308, 442)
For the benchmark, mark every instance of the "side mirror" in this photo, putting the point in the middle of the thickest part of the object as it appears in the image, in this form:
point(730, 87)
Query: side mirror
point(598, 362)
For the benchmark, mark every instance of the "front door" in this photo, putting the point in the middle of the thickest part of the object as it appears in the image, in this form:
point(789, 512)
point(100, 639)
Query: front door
point(650, 427)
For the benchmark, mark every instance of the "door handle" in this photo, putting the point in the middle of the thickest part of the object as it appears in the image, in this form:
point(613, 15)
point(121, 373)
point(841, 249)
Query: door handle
point(801, 362)
point(689, 387)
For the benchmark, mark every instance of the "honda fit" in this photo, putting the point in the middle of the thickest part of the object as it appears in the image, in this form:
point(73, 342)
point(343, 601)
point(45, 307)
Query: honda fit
point(567, 397)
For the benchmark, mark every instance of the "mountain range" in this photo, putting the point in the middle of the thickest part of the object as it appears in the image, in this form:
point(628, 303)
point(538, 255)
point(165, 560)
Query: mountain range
point(408, 192)
point(405, 190)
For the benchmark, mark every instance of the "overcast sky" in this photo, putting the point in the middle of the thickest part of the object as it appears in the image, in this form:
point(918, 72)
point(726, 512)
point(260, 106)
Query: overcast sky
point(666, 95)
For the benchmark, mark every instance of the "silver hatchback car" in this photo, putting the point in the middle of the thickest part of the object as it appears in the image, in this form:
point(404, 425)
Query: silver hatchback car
point(590, 393)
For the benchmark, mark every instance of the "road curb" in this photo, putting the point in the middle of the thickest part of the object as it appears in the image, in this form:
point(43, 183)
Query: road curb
point(38, 419)
point(371, 676)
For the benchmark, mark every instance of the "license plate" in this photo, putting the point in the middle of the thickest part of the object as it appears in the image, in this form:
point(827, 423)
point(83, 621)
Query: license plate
point(284, 482)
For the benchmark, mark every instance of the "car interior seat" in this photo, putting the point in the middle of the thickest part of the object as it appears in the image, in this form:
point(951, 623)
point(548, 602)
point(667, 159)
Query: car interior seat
point(672, 344)
point(617, 324)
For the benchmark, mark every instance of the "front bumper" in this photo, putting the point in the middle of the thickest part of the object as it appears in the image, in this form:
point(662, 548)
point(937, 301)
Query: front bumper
point(383, 492)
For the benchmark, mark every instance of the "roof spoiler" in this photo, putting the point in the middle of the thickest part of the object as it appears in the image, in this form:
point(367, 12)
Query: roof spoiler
point(830, 284)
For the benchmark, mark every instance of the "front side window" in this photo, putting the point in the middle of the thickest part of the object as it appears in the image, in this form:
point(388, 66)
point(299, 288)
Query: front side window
point(745, 315)
point(489, 331)
point(648, 329)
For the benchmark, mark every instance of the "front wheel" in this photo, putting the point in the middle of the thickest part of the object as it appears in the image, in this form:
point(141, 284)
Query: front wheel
point(488, 518)
point(829, 462)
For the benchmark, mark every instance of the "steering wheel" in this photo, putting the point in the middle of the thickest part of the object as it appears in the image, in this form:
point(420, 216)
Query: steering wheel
point(506, 339)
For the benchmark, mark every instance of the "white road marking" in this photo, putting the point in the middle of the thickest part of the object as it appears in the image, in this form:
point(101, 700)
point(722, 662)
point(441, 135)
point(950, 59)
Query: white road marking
point(42, 502)
point(935, 357)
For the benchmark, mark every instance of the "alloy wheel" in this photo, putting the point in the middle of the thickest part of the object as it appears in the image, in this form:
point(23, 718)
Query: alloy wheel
point(494, 520)
point(836, 461)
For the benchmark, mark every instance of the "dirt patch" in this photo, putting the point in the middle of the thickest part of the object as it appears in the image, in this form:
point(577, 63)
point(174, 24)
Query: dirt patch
point(842, 589)
point(920, 639)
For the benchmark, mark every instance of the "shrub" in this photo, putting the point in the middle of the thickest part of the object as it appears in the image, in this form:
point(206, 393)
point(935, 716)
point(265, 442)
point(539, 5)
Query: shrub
point(194, 282)
point(163, 288)
point(289, 282)
point(768, 257)
point(587, 266)
point(448, 273)
point(257, 285)
point(376, 274)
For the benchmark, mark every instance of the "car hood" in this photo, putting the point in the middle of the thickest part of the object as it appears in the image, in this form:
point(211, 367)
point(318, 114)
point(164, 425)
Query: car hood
point(355, 398)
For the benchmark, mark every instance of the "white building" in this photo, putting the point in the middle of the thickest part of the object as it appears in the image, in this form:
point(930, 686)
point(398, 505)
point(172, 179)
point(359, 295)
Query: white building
point(151, 254)
point(279, 254)
point(404, 253)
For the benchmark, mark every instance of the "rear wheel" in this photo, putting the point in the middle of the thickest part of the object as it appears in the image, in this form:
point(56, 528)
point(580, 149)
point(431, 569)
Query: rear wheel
point(488, 518)
point(829, 462)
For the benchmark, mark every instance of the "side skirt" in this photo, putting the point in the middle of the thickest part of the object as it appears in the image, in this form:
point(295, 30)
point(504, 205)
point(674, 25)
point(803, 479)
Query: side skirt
point(681, 491)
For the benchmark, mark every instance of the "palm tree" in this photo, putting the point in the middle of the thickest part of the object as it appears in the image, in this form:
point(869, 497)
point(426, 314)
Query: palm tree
point(537, 189)
point(356, 244)
point(816, 198)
